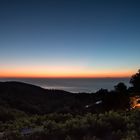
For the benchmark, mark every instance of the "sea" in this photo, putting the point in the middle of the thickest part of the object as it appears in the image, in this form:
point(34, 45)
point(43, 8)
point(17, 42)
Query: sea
point(75, 85)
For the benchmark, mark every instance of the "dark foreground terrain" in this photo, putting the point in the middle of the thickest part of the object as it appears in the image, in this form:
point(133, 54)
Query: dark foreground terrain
point(28, 112)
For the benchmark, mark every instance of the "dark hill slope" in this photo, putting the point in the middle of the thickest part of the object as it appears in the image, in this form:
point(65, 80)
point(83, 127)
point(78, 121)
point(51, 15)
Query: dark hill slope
point(33, 99)
point(30, 98)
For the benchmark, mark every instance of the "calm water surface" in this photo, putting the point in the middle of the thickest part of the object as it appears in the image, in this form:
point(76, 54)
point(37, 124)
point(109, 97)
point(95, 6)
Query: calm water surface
point(73, 84)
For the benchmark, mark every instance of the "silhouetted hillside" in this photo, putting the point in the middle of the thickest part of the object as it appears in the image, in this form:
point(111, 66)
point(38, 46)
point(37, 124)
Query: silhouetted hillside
point(30, 98)
point(34, 99)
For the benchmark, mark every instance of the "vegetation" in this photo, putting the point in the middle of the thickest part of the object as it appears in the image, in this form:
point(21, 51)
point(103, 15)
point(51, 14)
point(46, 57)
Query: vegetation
point(103, 126)
point(135, 81)
point(29, 112)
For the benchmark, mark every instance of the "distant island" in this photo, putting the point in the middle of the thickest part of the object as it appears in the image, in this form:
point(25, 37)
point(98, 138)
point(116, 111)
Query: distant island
point(31, 112)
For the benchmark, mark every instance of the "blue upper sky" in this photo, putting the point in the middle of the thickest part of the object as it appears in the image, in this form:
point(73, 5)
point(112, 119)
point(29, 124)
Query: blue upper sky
point(90, 36)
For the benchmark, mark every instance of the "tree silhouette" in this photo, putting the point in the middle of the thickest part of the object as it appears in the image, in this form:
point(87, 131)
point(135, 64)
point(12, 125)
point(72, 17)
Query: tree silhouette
point(120, 87)
point(135, 81)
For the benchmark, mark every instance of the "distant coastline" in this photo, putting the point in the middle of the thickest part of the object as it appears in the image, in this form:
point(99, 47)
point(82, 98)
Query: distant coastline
point(73, 84)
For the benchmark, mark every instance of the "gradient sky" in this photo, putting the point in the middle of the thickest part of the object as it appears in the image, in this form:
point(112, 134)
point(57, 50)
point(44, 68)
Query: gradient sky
point(69, 38)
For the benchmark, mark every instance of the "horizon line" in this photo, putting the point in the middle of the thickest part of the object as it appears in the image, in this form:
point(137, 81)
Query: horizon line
point(67, 77)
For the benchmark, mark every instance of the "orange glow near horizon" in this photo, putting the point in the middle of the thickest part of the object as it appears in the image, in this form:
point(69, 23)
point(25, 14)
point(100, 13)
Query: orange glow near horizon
point(62, 72)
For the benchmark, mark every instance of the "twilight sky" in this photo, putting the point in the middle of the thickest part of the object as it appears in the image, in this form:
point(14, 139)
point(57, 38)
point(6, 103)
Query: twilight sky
point(69, 38)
